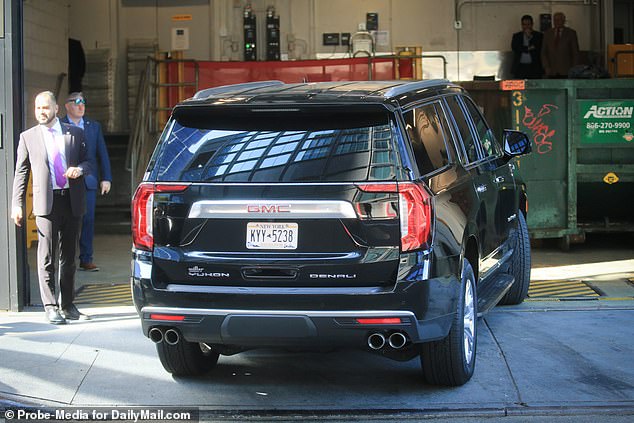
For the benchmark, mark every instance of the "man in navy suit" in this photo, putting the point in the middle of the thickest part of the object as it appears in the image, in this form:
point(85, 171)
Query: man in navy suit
point(100, 165)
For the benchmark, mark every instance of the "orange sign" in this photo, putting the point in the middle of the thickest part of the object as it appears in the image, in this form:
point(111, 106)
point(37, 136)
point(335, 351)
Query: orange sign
point(182, 17)
point(513, 85)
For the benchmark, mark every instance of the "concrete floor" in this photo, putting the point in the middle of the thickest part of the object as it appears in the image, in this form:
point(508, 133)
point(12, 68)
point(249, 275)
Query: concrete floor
point(111, 254)
point(539, 361)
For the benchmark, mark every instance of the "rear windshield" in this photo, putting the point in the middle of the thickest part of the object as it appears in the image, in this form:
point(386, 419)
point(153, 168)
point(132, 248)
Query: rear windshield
point(274, 149)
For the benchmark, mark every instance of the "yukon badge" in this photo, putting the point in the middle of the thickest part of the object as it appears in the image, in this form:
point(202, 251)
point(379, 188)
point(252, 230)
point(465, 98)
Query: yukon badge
point(199, 272)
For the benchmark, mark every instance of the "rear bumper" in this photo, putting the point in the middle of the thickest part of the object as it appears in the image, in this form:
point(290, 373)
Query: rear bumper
point(424, 309)
point(266, 328)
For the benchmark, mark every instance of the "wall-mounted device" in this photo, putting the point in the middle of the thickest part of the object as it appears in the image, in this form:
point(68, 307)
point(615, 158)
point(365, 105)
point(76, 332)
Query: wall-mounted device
point(331, 38)
point(272, 34)
point(362, 43)
point(545, 21)
point(345, 38)
point(250, 35)
point(180, 39)
point(371, 21)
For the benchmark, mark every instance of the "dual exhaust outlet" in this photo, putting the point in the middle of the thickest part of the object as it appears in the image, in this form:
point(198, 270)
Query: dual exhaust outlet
point(396, 340)
point(376, 341)
point(170, 336)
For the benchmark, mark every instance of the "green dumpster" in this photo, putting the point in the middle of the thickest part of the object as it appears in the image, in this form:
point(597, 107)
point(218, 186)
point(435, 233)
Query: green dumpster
point(580, 177)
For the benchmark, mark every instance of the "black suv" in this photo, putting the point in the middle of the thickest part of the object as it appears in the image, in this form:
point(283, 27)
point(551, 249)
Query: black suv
point(378, 215)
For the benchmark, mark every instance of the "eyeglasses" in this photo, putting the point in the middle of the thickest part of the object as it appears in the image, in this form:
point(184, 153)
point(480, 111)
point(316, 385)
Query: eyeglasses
point(78, 101)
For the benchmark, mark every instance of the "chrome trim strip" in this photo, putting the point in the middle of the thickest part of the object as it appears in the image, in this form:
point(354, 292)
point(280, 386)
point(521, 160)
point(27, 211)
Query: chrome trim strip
point(266, 256)
point(279, 209)
point(308, 313)
point(198, 289)
point(141, 270)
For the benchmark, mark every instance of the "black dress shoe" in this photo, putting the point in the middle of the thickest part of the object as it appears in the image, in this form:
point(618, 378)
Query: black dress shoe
point(71, 313)
point(53, 316)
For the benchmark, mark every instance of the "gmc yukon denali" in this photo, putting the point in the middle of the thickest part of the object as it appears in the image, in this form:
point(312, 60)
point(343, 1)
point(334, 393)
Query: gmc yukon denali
point(379, 215)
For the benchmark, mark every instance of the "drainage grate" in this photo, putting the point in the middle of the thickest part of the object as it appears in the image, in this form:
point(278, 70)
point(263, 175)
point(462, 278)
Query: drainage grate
point(561, 289)
point(104, 294)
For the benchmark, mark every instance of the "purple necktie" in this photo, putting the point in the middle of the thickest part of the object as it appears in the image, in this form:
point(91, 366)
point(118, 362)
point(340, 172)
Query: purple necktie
point(58, 166)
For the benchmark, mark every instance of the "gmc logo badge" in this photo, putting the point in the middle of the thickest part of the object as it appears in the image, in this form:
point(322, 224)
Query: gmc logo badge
point(268, 208)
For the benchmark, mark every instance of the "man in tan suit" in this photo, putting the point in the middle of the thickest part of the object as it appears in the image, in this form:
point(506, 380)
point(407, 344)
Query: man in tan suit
point(560, 48)
point(56, 155)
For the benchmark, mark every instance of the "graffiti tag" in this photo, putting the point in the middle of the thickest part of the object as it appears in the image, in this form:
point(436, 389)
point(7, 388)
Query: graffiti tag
point(541, 131)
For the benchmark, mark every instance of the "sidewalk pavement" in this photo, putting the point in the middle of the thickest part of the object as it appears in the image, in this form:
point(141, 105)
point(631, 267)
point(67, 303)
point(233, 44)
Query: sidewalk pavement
point(537, 357)
point(531, 358)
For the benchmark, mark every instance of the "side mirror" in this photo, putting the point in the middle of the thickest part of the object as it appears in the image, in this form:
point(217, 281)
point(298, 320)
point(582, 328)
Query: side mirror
point(516, 143)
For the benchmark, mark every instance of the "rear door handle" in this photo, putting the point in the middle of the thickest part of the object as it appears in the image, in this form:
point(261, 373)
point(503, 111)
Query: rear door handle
point(481, 188)
point(499, 179)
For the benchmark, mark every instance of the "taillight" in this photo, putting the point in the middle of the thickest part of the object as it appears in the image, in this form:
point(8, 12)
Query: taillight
point(416, 222)
point(142, 217)
point(142, 212)
point(171, 317)
point(415, 212)
point(380, 321)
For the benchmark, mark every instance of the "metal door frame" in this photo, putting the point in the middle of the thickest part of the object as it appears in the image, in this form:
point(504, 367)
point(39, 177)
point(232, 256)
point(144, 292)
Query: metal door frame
point(13, 260)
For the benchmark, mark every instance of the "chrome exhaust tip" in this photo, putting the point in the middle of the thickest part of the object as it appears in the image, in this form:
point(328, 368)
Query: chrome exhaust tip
point(172, 337)
point(397, 340)
point(156, 335)
point(376, 341)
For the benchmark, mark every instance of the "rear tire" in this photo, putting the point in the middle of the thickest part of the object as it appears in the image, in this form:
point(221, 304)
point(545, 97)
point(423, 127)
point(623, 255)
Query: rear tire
point(451, 361)
point(186, 358)
point(520, 265)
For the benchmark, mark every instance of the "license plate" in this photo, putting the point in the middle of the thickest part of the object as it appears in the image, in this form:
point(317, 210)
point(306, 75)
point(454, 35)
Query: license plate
point(272, 236)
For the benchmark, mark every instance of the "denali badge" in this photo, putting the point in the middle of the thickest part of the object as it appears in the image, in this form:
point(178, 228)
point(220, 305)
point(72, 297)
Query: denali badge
point(332, 276)
point(199, 272)
point(268, 208)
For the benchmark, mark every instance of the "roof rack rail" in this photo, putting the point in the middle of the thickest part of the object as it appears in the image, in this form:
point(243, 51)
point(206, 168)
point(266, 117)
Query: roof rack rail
point(415, 85)
point(207, 92)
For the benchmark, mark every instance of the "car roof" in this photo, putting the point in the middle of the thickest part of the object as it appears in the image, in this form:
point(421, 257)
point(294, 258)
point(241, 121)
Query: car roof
point(276, 92)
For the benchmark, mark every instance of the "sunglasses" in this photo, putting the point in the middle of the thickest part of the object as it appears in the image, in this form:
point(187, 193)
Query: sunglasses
point(78, 101)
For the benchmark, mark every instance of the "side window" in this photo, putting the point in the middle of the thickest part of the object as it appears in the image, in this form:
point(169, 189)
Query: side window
point(464, 129)
point(485, 134)
point(428, 138)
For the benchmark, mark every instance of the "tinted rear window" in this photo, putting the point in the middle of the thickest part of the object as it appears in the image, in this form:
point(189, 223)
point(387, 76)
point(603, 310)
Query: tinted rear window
point(241, 152)
point(427, 133)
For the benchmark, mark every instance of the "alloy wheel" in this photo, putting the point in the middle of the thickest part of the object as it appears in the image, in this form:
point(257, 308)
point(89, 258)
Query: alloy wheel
point(469, 322)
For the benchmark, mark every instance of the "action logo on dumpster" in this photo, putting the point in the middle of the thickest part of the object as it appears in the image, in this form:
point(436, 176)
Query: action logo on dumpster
point(606, 122)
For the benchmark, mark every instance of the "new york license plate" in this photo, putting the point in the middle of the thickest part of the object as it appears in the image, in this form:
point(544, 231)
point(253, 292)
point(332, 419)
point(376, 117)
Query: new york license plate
point(272, 236)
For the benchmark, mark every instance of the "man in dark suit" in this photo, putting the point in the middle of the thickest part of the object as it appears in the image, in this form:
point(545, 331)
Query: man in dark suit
point(560, 49)
point(99, 164)
point(55, 154)
point(527, 47)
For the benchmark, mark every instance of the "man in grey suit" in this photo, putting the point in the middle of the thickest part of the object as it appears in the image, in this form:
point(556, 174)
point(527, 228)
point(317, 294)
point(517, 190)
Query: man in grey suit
point(560, 49)
point(56, 155)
